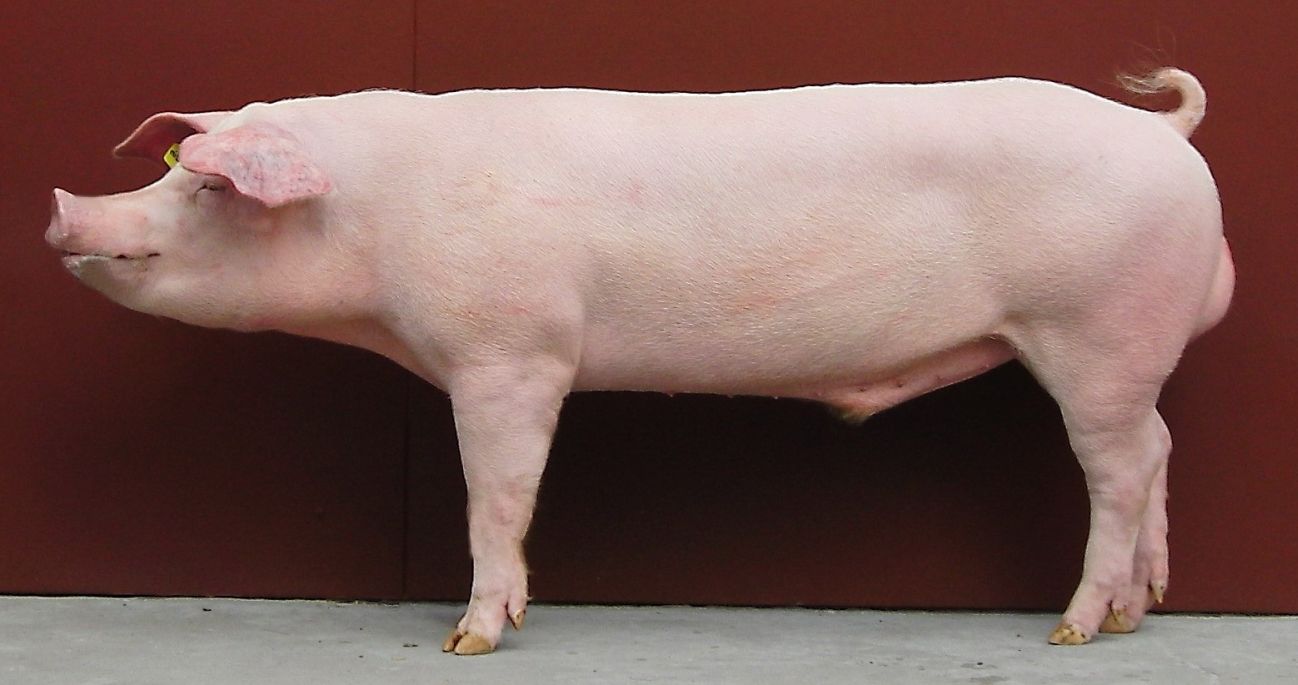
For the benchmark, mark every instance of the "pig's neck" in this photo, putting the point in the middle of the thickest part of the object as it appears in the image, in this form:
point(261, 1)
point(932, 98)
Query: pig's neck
point(331, 293)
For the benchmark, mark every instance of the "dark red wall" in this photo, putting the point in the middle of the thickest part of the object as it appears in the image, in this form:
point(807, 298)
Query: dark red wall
point(141, 456)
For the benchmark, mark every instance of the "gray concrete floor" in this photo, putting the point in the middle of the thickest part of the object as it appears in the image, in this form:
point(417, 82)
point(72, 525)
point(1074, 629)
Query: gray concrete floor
point(108, 641)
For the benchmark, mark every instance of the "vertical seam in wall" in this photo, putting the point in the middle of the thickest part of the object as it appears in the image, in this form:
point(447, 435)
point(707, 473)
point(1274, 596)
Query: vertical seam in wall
point(405, 490)
point(414, 44)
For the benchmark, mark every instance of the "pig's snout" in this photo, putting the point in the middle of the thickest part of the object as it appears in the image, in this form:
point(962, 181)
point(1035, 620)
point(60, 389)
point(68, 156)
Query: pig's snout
point(66, 232)
point(58, 233)
point(88, 233)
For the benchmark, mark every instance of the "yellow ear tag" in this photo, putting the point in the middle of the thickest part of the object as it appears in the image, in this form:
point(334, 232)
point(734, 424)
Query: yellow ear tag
point(172, 156)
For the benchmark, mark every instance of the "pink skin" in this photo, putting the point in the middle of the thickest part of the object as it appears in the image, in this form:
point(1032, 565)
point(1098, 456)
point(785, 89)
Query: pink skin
point(854, 245)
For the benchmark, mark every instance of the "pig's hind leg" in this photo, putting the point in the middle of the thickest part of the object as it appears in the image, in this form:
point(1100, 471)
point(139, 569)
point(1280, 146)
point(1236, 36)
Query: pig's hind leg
point(1107, 381)
point(1150, 573)
point(505, 417)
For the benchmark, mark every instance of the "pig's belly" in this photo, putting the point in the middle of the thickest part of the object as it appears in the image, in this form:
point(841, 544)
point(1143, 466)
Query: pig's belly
point(858, 401)
point(859, 373)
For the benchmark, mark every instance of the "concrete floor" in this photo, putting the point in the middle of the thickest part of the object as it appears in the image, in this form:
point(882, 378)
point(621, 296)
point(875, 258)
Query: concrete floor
point(107, 641)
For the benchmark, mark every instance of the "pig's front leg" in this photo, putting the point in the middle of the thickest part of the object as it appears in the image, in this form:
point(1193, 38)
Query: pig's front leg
point(504, 417)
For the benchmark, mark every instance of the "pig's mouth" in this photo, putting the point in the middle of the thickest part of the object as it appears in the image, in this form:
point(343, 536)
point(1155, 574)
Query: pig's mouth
point(76, 260)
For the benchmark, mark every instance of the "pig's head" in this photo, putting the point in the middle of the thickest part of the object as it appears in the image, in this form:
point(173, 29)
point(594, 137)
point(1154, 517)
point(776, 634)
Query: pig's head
point(231, 236)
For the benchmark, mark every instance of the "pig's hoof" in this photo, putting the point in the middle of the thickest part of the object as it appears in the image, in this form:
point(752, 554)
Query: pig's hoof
point(1068, 634)
point(465, 644)
point(1117, 621)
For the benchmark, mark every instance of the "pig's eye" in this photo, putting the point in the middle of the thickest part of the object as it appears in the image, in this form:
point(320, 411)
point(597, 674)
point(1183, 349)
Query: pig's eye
point(211, 192)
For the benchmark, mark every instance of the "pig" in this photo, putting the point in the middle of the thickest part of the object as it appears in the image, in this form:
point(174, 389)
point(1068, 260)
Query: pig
point(852, 245)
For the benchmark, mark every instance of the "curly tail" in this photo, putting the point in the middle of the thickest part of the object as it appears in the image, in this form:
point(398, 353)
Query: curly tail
point(1193, 100)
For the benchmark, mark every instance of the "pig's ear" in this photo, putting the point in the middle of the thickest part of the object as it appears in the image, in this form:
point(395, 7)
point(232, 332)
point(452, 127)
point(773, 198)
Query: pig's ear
point(261, 160)
point(160, 131)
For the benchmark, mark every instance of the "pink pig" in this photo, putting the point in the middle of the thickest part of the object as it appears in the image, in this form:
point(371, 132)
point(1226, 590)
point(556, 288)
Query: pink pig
point(852, 245)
